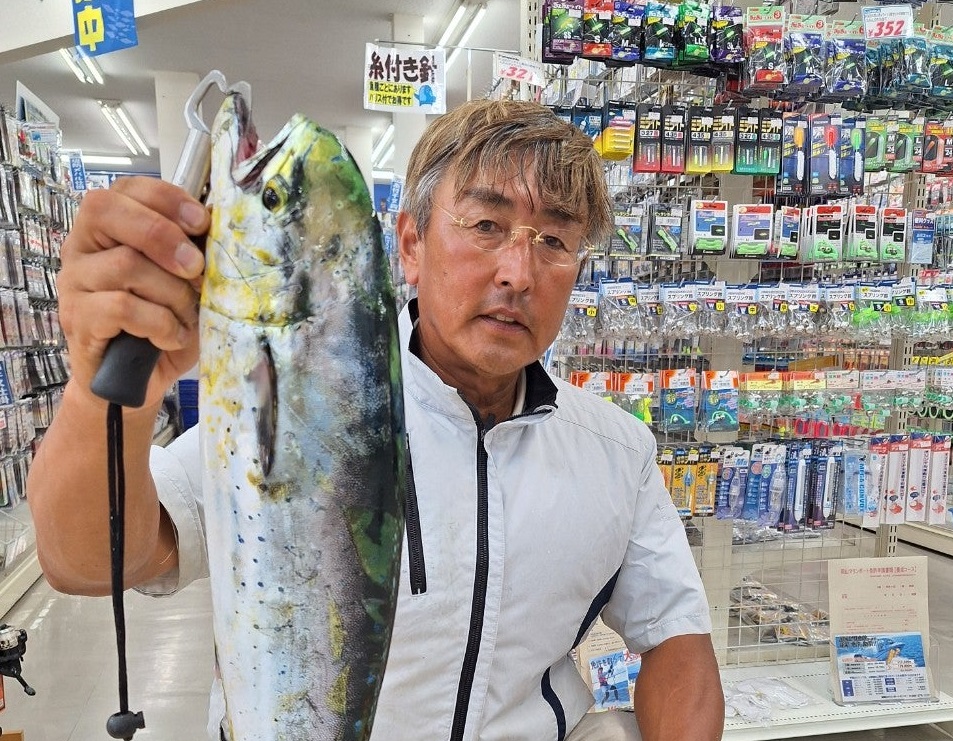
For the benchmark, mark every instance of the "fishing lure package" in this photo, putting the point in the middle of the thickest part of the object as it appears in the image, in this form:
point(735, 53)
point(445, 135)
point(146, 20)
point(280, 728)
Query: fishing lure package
point(824, 168)
point(665, 231)
point(597, 29)
point(747, 133)
point(804, 53)
point(893, 234)
point(939, 473)
point(752, 230)
point(699, 122)
point(684, 474)
point(719, 405)
point(691, 31)
point(708, 227)
point(941, 63)
point(579, 324)
point(673, 140)
point(918, 478)
point(565, 27)
point(648, 140)
point(792, 178)
point(618, 318)
point(732, 484)
point(922, 235)
point(628, 238)
point(726, 35)
point(711, 308)
point(626, 34)
point(659, 32)
point(837, 311)
point(741, 312)
point(823, 234)
point(769, 141)
point(680, 315)
point(677, 399)
point(846, 72)
point(787, 233)
point(765, 70)
point(723, 128)
point(850, 154)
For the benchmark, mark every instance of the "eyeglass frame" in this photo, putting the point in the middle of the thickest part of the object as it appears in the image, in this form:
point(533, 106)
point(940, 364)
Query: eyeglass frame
point(584, 250)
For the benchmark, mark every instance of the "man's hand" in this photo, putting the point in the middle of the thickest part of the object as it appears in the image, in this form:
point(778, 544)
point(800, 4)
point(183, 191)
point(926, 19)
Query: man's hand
point(678, 695)
point(129, 264)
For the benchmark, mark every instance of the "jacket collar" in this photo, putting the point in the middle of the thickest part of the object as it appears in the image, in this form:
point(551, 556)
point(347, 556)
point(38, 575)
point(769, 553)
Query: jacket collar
point(540, 389)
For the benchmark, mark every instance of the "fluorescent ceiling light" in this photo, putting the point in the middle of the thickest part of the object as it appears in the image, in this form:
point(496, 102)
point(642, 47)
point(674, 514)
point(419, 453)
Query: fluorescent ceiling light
point(105, 159)
point(454, 22)
point(83, 66)
point(471, 27)
point(382, 143)
point(386, 175)
point(113, 112)
point(90, 65)
point(386, 157)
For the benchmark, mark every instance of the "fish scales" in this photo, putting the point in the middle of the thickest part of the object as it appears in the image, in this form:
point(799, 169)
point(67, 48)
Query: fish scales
point(302, 433)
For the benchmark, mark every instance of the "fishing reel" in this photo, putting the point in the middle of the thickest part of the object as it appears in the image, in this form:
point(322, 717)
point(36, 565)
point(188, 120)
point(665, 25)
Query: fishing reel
point(12, 648)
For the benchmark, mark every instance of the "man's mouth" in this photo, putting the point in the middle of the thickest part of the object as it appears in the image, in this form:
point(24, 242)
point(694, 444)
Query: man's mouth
point(501, 318)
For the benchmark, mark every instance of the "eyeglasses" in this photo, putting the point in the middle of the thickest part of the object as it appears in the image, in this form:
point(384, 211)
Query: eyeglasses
point(491, 233)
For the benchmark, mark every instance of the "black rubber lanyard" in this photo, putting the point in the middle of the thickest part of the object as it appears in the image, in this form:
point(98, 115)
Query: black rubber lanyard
point(123, 724)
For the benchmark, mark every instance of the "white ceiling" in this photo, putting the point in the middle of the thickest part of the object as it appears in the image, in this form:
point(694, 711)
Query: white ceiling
point(298, 55)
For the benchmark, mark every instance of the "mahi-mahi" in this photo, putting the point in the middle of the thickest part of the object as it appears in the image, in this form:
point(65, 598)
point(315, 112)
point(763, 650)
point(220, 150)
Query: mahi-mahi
point(302, 433)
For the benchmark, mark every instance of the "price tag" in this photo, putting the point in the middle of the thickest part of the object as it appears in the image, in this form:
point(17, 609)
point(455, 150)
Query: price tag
point(512, 67)
point(888, 21)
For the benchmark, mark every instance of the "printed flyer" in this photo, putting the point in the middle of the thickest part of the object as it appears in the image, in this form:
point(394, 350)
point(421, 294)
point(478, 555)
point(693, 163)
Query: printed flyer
point(874, 668)
point(880, 629)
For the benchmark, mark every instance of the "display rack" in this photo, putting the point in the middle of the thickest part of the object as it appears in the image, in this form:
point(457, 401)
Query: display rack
point(823, 716)
point(792, 568)
point(36, 213)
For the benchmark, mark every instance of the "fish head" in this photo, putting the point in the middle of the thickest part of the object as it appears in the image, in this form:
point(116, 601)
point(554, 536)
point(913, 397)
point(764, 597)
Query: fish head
point(284, 217)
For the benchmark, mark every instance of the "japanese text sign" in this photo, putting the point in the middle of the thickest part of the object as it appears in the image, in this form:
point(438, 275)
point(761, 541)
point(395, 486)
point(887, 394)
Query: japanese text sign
point(409, 80)
point(102, 26)
point(888, 21)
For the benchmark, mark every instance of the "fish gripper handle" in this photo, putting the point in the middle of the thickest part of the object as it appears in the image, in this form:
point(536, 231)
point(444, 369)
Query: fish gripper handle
point(123, 376)
point(124, 725)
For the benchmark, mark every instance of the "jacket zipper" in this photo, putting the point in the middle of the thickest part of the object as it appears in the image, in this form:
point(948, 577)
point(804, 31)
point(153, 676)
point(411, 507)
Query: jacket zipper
point(479, 592)
point(415, 543)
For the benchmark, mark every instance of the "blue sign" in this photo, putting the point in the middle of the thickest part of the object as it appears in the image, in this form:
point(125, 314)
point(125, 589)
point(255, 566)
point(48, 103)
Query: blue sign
point(396, 190)
point(77, 171)
point(102, 26)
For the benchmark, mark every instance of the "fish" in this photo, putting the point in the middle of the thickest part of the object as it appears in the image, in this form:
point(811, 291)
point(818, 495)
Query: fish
point(301, 430)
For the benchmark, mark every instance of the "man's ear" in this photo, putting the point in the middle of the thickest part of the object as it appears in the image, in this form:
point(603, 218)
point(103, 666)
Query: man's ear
point(410, 245)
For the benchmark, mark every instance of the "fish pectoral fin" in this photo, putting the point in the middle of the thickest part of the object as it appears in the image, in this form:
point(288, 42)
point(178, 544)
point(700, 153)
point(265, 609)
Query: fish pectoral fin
point(264, 380)
point(377, 541)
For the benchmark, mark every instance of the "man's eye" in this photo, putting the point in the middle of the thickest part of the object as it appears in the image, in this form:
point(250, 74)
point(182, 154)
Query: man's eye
point(485, 226)
point(553, 242)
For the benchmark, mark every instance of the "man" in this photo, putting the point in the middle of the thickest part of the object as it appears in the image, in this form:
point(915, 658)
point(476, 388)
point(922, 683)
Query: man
point(516, 475)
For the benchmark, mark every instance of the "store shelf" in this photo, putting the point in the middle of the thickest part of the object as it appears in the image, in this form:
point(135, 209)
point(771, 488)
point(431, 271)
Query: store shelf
point(936, 538)
point(824, 716)
point(20, 567)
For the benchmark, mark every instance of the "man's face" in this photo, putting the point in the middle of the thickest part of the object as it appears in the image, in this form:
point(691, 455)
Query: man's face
point(485, 315)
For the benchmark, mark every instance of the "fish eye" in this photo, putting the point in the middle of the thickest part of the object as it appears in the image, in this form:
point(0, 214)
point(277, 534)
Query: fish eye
point(272, 198)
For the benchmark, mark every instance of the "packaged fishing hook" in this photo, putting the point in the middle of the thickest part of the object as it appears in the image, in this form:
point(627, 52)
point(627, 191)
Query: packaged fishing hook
point(578, 332)
point(741, 313)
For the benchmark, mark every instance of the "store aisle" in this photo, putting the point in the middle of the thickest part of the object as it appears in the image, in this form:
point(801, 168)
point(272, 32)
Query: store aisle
point(71, 662)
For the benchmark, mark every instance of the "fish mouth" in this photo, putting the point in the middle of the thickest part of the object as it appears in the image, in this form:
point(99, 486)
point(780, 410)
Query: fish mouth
point(248, 160)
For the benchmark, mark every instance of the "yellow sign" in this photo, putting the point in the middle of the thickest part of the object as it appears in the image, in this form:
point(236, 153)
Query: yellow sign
point(90, 26)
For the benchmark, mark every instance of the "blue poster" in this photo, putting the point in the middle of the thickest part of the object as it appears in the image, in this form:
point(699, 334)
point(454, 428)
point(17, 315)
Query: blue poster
point(102, 26)
point(77, 170)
